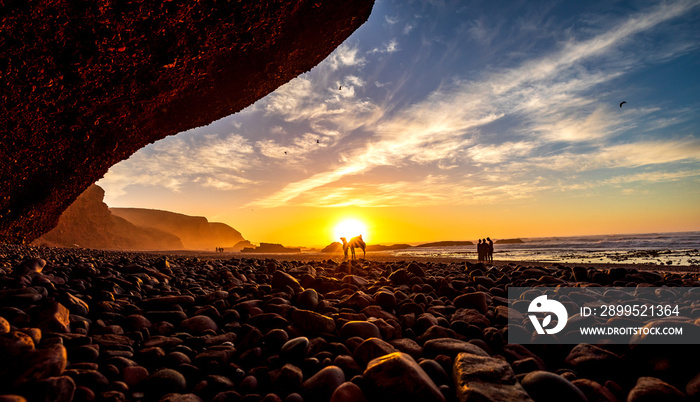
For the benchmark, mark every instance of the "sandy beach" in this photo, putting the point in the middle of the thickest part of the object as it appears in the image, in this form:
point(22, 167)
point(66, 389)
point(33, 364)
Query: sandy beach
point(101, 325)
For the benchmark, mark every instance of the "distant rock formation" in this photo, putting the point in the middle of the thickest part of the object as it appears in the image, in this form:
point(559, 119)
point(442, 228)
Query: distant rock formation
point(447, 244)
point(88, 223)
point(86, 84)
point(195, 232)
point(335, 247)
point(270, 248)
point(240, 246)
point(509, 241)
point(380, 247)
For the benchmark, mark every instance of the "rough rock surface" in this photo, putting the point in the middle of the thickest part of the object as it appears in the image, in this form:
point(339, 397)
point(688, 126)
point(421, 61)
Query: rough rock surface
point(87, 84)
point(195, 232)
point(88, 223)
point(484, 378)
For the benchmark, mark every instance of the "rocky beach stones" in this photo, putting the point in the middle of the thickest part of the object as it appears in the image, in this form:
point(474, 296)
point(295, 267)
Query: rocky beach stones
point(483, 378)
point(112, 327)
point(397, 377)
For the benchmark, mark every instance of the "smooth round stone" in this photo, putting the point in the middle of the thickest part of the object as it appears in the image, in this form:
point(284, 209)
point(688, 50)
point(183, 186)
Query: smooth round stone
point(320, 386)
point(4, 326)
point(134, 375)
point(650, 389)
point(198, 324)
point(313, 323)
point(593, 390)
point(397, 377)
point(348, 392)
point(385, 300)
point(15, 344)
point(34, 333)
point(58, 389)
point(294, 397)
point(371, 349)
point(435, 371)
point(289, 378)
point(544, 386)
point(86, 353)
point(308, 300)
point(227, 396)
point(594, 362)
point(475, 300)
point(46, 362)
point(408, 346)
point(295, 348)
point(136, 322)
point(249, 384)
point(83, 394)
point(174, 359)
point(272, 398)
point(275, 338)
point(362, 329)
point(165, 381)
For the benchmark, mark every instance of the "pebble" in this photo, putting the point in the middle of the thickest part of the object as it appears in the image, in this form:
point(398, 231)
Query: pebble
point(313, 323)
point(451, 347)
point(397, 377)
point(486, 378)
point(322, 385)
point(594, 391)
point(371, 349)
point(198, 325)
point(648, 389)
point(595, 362)
point(362, 329)
point(165, 381)
point(348, 392)
point(295, 349)
point(544, 386)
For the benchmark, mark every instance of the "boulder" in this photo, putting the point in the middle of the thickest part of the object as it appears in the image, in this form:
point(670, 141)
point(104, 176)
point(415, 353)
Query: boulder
point(483, 378)
point(397, 377)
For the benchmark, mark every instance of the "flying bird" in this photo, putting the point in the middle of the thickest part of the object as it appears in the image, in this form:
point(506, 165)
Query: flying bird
point(622, 103)
point(340, 87)
point(318, 141)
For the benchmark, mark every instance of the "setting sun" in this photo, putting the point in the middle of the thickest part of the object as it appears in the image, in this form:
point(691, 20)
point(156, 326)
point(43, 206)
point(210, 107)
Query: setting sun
point(349, 228)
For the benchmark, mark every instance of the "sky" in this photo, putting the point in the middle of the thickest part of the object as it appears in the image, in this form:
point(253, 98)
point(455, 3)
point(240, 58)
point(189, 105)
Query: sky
point(456, 120)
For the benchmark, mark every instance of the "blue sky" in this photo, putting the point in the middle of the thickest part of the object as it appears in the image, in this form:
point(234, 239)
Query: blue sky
point(432, 109)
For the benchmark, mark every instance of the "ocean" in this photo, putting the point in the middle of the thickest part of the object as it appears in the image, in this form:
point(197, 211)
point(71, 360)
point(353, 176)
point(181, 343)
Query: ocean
point(680, 248)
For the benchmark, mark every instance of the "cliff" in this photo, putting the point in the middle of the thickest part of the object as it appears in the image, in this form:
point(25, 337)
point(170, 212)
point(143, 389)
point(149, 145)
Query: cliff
point(89, 223)
point(195, 232)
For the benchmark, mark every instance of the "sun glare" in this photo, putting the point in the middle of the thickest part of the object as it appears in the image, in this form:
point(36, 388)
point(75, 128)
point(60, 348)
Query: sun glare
point(349, 228)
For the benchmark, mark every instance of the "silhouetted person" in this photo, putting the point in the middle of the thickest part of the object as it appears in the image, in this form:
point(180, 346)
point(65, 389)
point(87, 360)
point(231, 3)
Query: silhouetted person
point(479, 251)
point(490, 254)
point(345, 247)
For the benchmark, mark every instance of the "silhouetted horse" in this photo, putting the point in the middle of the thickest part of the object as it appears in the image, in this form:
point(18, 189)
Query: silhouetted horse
point(354, 242)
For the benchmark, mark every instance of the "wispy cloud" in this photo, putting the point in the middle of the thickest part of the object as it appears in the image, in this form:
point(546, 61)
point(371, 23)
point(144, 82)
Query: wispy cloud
point(552, 93)
point(173, 163)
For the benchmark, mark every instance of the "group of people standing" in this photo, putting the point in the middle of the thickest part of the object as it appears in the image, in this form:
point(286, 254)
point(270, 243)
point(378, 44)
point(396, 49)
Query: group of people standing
point(484, 249)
